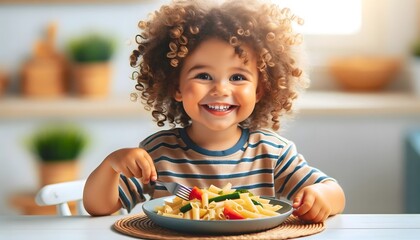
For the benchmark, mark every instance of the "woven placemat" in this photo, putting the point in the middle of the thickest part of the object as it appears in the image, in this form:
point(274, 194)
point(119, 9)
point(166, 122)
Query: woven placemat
point(142, 227)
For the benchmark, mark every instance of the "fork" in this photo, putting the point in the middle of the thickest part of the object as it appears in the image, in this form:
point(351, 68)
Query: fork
point(177, 189)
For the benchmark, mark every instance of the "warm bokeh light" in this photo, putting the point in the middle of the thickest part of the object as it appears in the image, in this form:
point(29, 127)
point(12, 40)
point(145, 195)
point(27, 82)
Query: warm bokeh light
point(327, 16)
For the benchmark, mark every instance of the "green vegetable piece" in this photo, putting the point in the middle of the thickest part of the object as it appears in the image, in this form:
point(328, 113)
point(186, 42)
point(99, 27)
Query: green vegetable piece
point(234, 195)
point(256, 202)
point(185, 208)
point(244, 191)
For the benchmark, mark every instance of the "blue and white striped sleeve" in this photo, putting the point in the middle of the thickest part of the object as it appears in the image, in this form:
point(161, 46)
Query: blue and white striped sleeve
point(293, 173)
point(131, 192)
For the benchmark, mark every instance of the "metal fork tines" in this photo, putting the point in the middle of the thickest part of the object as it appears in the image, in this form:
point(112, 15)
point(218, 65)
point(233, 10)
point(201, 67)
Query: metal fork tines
point(177, 189)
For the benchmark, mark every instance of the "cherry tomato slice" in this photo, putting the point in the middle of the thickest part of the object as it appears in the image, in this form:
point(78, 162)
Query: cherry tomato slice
point(231, 214)
point(195, 193)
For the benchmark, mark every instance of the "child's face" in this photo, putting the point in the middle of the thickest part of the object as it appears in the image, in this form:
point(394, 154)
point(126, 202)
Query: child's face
point(217, 89)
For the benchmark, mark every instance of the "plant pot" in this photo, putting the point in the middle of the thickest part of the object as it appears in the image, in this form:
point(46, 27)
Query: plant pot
point(3, 82)
point(56, 172)
point(43, 78)
point(92, 80)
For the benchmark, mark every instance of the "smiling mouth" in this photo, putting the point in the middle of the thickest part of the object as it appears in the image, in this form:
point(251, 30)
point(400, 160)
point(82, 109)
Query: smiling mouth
point(219, 108)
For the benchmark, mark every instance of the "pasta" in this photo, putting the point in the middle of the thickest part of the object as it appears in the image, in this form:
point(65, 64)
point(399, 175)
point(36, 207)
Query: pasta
point(216, 203)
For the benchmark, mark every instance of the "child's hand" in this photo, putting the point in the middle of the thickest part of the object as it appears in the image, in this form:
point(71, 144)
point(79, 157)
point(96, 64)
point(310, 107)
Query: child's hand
point(311, 204)
point(133, 162)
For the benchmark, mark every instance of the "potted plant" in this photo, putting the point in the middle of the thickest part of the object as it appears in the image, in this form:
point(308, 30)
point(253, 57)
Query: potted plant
point(416, 48)
point(91, 56)
point(415, 66)
point(57, 148)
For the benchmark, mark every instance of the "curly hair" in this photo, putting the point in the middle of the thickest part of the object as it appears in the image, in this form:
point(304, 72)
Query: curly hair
point(175, 30)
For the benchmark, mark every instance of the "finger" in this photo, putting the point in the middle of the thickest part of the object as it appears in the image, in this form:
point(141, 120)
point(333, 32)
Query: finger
point(307, 203)
point(127, 172)
point(311, 216)
point(153, 173)
point(134, 169)
point(121, 168)
point(297, 201)
point(322, 216)
point(153, 176)
point(145, 167)
point(315, 216)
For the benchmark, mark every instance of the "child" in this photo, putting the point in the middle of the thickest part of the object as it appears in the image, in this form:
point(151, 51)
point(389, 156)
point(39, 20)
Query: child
point(225, 74)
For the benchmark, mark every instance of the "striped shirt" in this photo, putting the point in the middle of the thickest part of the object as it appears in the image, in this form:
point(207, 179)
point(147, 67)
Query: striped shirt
point(261, 161)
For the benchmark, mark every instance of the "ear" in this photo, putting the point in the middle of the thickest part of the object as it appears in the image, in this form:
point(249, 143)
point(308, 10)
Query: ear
point(259, 93)
point(178, 96)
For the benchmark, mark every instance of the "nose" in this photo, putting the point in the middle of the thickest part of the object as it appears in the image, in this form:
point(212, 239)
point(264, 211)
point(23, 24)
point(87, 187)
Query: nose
point(220, 88)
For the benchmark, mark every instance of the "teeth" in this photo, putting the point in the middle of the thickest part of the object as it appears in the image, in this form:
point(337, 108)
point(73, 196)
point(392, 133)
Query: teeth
point(218, 107)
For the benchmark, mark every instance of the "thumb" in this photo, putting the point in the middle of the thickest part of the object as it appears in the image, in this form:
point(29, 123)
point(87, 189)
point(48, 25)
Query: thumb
point(153, 177)
point(297, 201)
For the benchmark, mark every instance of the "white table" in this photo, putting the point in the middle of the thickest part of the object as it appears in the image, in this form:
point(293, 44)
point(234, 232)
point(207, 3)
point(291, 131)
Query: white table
point(346, 226)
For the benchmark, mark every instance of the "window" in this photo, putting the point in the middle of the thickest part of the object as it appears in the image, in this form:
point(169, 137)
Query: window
point(336, 17)
point(340, 27)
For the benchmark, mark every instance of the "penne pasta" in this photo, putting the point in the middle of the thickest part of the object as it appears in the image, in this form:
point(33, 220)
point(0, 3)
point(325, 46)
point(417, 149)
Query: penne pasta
point(187, 215)
point(212, 214)
point(176, 201)
point(214, 189)
point(167, 209)
point(239, 201)
point(195, 213)
point(219, 214)
point(271, 207)
point(210, 193)
point(202, 212)
point(267, 212)
point(205, 200)
point(159, 208)
point(249, 214)
point(227, 189)
point(248, 204)
point(216, 203)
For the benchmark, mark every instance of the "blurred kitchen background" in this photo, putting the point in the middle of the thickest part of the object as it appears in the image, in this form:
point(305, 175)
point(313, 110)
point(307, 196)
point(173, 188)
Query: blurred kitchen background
point(359, 121)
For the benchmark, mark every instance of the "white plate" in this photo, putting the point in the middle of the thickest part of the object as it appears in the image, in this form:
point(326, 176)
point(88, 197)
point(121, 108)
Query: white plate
point(216, 227)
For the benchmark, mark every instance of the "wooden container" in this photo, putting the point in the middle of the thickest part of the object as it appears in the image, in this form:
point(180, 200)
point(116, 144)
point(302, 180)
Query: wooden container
point(43, 78)
point(364, 73)
point(44, 74)
point(92, 80)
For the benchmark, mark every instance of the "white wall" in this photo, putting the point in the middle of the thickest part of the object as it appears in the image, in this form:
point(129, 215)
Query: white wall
point(364, 153)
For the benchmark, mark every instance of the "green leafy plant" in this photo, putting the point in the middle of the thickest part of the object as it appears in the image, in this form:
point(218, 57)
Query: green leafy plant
point(415, 50)
point(58, 143)
point(92, 47)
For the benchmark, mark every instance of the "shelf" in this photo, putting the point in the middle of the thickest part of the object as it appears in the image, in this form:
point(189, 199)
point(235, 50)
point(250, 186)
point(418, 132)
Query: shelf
point(346, 103)
point(112, 107)
point(310, 103)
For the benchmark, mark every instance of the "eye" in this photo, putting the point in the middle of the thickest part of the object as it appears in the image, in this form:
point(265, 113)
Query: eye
point(203, 76)
point(237, 77)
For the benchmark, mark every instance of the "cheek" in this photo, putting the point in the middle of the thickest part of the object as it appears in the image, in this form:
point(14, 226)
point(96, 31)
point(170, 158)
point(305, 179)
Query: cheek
point(192, 90)
point(249, 92)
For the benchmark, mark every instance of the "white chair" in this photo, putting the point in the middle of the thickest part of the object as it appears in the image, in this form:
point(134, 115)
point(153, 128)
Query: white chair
point(60, 194)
